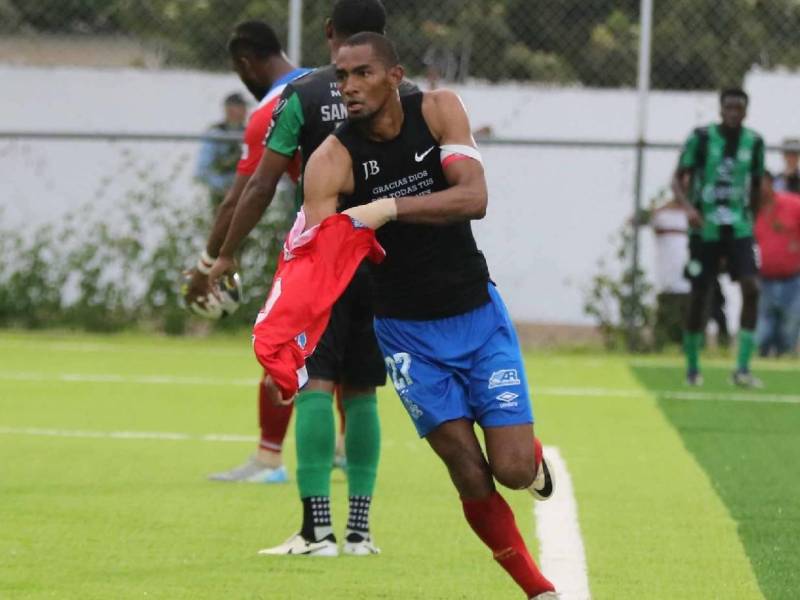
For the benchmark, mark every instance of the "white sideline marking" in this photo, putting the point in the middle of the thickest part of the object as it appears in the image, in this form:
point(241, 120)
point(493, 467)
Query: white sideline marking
point(408, 445)
point(115, 378)
point(668, 394)
point(127, 435)
point(592, 392)
point(561, 552)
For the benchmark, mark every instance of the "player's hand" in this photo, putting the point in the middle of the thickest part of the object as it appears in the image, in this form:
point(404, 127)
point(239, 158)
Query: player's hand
point(274, 393)
point(198, 288)
point(695, 219)
point(222, 265)
point(375, 214)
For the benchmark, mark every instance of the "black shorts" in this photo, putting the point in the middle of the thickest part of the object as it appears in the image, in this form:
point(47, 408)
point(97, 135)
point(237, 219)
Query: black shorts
point(348, 352)
point(707, 259)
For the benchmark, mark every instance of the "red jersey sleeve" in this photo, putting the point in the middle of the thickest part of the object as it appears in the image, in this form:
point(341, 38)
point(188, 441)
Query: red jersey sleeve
point(254, 133)
point(254, 136)
point(310, 278)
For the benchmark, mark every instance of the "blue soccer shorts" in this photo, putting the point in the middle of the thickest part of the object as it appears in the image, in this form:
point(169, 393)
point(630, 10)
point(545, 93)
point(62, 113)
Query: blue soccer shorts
point(466, 366)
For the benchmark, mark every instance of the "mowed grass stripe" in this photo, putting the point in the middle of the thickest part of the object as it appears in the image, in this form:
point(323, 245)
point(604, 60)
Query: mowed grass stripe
point(749, 452)
point(100, 518)
point(652, 523)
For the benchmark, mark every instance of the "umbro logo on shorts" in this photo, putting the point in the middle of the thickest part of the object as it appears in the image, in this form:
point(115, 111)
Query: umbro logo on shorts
point(507, 399)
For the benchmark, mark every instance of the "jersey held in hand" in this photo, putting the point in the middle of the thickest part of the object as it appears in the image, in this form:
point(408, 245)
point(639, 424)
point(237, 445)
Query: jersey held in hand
point(313, 271)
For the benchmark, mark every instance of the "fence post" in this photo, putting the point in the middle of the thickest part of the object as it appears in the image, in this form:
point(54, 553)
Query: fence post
point(643, 86)
point(295, 31)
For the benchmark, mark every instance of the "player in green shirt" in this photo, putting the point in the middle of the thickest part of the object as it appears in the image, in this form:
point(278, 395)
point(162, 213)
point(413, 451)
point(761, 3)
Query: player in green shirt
point(718, 181)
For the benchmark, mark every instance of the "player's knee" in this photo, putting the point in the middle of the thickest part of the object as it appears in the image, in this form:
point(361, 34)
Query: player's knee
point(472, 479)
point(515, 471)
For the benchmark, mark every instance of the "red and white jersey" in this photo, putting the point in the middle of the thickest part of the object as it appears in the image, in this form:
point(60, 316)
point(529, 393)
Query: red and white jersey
point(315, 268)
point(256, 131)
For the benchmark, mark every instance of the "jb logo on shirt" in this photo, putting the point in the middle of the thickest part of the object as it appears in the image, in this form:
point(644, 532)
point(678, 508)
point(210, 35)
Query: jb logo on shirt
point(370, 168)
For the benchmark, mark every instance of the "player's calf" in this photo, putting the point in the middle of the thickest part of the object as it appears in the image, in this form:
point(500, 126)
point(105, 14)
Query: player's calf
point(544, 484)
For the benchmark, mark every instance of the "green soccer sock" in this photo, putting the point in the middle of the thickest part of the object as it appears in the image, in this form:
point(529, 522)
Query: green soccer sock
point(746, 346)
point(362, 443)
point(316, 440)
point(692, 342)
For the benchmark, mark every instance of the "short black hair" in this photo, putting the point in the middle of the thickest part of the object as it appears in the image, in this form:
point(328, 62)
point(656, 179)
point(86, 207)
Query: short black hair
point(382, 46)
point(254, 37)
point(734, 93)
point(354, 16)
point(235, 99)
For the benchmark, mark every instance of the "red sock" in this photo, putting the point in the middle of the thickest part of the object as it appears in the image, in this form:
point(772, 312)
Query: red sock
point(491, 518)
point(274, 421)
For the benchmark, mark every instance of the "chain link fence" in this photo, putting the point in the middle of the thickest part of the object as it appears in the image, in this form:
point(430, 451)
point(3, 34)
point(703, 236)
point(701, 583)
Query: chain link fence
point(697, 44)
point(551, 87)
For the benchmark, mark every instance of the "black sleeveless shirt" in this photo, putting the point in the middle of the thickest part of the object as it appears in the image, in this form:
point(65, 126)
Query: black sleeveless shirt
point(430, 271)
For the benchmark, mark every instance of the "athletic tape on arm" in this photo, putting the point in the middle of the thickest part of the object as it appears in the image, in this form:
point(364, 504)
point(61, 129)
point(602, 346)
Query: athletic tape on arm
point(453, 150)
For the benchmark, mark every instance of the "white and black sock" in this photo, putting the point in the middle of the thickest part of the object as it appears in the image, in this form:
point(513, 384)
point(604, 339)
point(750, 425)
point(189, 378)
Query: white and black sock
point(317, 518)
point(358, 518)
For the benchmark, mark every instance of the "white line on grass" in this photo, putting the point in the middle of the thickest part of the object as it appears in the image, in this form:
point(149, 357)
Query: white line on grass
point(127, 435)
point(667, 394)
point(115, 378)
point(590, 392)
point(718, 363)
point(166, 436)
point(561, 552)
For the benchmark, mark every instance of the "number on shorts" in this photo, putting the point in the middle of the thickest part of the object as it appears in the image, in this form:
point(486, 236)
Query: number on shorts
point(399, 367)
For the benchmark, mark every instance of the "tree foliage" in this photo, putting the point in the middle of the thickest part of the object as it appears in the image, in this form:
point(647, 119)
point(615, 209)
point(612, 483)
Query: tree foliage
point(697, 44)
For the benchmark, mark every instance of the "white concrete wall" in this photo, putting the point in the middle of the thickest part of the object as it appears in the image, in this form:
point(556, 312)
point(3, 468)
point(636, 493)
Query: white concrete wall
point(552, 211)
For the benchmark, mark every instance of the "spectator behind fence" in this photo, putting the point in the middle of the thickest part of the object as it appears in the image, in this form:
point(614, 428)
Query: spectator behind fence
point(789, 180)
point(216, 162)
point(670, 225)
point(778, 235)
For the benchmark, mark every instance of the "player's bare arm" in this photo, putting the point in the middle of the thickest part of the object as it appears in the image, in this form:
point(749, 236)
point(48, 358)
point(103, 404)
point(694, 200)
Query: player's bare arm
point(248, 210)
point(467, 197)
point(328, 174)
point(199, 283)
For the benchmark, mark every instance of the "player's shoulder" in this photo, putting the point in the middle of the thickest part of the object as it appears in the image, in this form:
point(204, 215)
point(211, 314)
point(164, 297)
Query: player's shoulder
point(442, 98)
point(309, 82)
point(757, 137)
point(702, 131)
point(330, 150)
point(328, 165)
point(440, 107)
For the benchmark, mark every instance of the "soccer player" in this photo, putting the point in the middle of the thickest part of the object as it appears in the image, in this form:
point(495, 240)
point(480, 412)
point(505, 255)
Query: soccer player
point(347, 355)
point(408, 167)
point(718, 181)
point(264, 69)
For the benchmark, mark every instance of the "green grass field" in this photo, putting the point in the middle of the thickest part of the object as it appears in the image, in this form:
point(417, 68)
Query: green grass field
point(679, 495)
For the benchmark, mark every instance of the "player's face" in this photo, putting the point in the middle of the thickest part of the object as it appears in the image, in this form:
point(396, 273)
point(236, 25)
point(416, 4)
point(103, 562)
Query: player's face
point(791, 160)
point(733, 111)
point(364, 81)
point(235, 113)
point(244, 69)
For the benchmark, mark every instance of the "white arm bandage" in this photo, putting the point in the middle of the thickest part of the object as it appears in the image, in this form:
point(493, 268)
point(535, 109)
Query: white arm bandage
point(453, 149)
